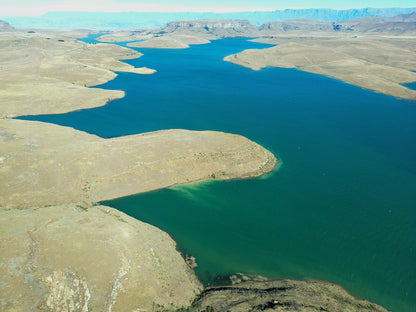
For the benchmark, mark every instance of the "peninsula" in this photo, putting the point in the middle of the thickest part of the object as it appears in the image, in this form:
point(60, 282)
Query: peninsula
point(45, 164)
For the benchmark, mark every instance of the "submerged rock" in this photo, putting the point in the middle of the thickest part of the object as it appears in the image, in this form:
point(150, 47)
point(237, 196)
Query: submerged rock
point(191, 261)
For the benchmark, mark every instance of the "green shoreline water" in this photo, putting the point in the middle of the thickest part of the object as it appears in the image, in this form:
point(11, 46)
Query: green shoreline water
point(342, 208)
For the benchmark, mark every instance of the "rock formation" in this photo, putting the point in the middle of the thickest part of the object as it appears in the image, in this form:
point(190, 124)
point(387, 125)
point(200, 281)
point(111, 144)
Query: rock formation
point(279, 296)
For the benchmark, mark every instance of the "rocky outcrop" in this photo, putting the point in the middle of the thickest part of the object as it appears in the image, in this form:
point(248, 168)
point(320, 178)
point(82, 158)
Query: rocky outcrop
point(282, 295)
point(88, 258)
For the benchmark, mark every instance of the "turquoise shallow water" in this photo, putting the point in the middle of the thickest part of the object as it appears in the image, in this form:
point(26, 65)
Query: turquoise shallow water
point(342, 207)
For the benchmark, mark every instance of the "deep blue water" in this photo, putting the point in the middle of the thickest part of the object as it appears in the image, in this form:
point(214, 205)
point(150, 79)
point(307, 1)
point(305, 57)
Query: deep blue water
point(342, 207)
point(410, 85)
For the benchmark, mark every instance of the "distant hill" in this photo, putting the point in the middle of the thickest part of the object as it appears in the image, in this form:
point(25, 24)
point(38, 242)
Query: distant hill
point(400, 24)
point(137, 20)
point(4, 26)
point(404, 18)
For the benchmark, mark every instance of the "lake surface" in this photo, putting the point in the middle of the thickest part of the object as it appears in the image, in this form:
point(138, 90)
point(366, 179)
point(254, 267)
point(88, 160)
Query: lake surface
point(341, 208)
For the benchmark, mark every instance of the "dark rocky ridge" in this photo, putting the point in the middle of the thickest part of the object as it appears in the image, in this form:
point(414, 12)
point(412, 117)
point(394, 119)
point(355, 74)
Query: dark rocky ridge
point(282, 295)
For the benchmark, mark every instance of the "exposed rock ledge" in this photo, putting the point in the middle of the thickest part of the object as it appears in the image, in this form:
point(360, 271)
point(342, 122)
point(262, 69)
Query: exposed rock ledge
point(282, 295)
point(44, 164)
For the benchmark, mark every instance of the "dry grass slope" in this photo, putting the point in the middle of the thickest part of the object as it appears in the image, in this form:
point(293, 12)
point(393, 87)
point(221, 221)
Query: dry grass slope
point(48, 73)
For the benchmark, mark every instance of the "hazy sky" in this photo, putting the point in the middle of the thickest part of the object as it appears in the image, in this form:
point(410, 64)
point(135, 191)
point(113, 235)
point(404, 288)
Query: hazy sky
point(38, 7)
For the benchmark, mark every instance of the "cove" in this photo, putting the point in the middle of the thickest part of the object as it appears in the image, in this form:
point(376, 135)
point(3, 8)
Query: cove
point(341, 208)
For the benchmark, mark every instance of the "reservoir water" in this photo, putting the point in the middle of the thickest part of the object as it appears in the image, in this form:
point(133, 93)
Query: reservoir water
point(342, 206)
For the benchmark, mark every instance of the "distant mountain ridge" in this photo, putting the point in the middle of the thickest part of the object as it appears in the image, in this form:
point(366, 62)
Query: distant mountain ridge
point(220, 28)
point(400, 24)
point(136, 20)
